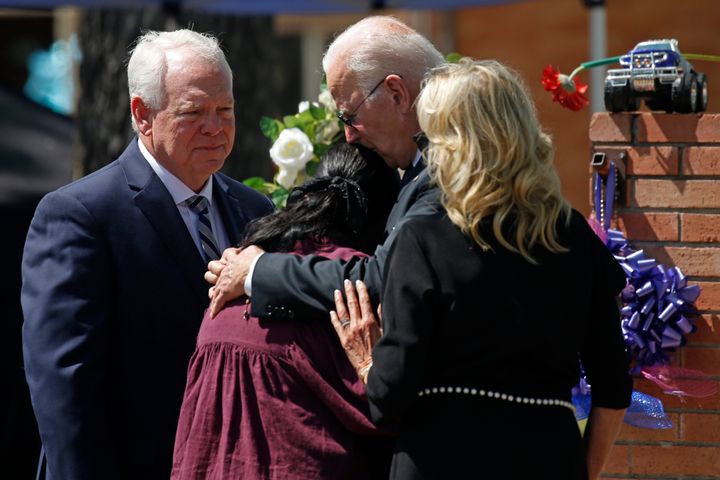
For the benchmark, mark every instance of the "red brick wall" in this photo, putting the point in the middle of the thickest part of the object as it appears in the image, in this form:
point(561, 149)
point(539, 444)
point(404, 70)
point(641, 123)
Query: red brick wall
point(671, 208)
point(528, 35)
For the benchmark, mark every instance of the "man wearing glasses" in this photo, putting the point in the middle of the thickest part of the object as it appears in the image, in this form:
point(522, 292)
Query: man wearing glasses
point(374, 71)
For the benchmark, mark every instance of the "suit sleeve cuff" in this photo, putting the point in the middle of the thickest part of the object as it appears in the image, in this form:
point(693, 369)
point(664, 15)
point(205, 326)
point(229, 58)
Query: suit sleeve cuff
point(248, 279)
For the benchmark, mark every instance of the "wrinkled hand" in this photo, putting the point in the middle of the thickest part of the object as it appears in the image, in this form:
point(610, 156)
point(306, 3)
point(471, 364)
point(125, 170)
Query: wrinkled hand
point(356, 325)
point(229, 274)
point(215, 267)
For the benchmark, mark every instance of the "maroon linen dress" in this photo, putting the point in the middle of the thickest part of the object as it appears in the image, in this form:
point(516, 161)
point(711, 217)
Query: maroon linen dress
point(275, 399)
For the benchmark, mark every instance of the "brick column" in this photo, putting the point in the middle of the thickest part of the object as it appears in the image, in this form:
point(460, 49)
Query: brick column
point(670, 207)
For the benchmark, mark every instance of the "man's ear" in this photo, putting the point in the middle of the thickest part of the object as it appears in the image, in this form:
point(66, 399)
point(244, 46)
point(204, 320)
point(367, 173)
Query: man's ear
point(142, 115)
point(400, 93)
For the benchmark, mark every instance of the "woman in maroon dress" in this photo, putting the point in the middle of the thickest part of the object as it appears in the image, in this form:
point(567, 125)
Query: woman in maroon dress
point(277, 398)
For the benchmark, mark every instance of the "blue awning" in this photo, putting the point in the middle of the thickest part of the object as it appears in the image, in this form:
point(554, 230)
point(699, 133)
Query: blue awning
point(261, 7)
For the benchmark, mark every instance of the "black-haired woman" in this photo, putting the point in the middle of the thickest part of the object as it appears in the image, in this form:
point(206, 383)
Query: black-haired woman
point(277, 398)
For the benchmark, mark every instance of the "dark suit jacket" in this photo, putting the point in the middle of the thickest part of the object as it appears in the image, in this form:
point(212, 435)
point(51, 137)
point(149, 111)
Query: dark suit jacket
point(285, 285)
point(113, 295)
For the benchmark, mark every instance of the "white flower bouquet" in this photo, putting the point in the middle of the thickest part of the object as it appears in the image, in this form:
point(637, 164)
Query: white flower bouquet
point(298, 142)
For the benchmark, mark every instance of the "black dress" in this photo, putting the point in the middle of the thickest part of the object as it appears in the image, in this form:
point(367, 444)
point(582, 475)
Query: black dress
point(491, 324)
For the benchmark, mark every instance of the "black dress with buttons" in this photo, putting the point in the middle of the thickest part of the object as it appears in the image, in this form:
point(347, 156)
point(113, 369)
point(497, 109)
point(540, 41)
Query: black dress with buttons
point(490, 321)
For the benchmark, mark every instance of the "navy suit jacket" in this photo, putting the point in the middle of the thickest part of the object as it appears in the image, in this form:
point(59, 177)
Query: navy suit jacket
point(285, 285)
point(113, 295)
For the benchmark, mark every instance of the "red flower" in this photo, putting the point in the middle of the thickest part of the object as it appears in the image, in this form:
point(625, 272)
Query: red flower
point(568, 92)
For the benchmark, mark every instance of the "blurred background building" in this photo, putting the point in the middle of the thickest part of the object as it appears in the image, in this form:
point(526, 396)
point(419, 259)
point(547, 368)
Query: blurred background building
point(71, 60)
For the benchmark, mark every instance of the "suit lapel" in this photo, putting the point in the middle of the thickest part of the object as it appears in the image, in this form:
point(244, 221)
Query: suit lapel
point(413, 180)
point(157, 205)
point(231, 211)
point(412, 173)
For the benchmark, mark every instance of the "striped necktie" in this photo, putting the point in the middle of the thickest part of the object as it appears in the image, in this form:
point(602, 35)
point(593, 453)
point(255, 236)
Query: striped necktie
point(199, 205)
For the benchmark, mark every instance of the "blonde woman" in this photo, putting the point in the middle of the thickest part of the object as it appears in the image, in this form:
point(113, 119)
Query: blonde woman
point(489, 306)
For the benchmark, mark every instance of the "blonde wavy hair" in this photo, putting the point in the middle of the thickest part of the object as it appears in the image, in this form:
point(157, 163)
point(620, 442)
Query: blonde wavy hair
point(489, 156)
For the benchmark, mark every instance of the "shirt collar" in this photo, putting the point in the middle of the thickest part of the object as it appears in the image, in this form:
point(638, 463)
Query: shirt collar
point(178, 190)
point(418, 158)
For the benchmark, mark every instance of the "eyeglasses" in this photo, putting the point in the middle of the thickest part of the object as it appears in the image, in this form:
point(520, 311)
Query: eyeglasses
point(349, 120)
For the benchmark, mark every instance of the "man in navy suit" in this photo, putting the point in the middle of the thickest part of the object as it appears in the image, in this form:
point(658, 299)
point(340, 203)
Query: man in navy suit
point(106, 343)
point(374, 70)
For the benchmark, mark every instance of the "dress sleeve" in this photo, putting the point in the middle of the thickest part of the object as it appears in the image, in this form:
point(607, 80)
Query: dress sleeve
point(410, 304)
point(603, 354)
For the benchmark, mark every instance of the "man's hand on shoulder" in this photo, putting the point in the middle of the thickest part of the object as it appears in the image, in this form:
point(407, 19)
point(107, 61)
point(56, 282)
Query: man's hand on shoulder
point(228, 275)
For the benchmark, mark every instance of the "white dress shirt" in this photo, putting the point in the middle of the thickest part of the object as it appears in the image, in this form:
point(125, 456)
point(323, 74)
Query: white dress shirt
point(180, 193)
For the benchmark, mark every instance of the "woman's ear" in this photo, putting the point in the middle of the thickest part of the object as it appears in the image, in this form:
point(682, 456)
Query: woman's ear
point(142, 115)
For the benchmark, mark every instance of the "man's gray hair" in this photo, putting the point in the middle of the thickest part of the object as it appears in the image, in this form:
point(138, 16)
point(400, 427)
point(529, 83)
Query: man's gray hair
point(381, 45)
point(148, 64)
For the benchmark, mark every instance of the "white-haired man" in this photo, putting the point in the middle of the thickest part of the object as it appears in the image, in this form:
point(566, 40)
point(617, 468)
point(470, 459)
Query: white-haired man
point(374, 71)
point(106, 348)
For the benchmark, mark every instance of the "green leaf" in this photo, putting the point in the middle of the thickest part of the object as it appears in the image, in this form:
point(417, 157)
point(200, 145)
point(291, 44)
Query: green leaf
point(279, 197)
point(271, 128)
point(306, 117)
point(318, 113)
point(453, 57)
point(292, 121)
point(259, 184)
point(319, 149)
point(311, 168)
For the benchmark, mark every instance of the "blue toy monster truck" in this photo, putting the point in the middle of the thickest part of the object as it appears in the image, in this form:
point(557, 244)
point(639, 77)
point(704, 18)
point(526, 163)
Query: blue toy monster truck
point(656, 72)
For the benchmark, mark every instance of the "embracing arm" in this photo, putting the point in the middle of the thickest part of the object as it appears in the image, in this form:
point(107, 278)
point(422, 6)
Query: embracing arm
point(305, 285)
point(66, 297)
point(286, 285)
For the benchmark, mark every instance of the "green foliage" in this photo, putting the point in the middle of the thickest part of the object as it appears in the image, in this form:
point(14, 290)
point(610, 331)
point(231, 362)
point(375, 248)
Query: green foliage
point(271, 128)
point(317, 113)
point(453, 57)
point(259, 184)
point(279, 196)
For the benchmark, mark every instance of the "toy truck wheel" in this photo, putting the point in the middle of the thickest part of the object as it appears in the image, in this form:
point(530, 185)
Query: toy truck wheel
point(685, 93)
point(702, 93)
point(616, 98)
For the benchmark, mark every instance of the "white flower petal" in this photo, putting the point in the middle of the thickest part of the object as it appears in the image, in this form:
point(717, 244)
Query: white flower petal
point(286, 177)
point(292, 150)
point(327, 101)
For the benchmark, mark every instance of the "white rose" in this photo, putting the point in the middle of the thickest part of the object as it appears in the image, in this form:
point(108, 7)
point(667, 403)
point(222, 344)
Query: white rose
point(291, 152)
point(327, 101)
